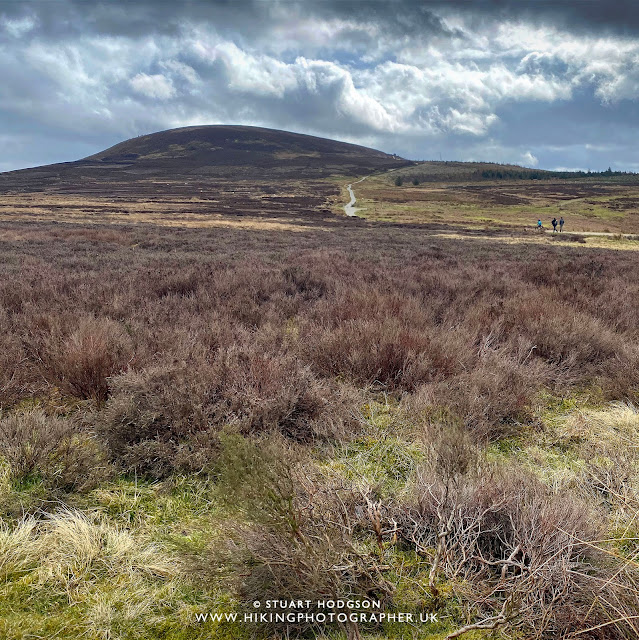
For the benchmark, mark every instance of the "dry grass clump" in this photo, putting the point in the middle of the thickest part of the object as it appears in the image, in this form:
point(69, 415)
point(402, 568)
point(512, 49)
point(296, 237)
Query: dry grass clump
point(74, 549)
point(52, 449)
point(90, 577)
point(69, 550)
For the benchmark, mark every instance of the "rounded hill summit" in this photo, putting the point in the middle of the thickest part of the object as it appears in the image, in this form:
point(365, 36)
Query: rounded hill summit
point(210, 149)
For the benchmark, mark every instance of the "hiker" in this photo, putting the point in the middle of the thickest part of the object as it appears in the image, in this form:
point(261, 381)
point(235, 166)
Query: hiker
point(539, 226)
point(561, 224)
point(554, 225)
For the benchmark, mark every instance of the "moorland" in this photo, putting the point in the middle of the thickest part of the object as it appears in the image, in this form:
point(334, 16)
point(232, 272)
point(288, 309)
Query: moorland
point(216, 389)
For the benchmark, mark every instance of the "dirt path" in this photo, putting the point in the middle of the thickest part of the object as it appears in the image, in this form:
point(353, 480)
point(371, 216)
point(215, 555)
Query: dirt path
point(350, 209)
point(590, 233)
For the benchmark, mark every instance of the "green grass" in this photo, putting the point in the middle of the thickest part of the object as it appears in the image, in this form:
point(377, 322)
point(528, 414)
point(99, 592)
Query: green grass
point(115, 568)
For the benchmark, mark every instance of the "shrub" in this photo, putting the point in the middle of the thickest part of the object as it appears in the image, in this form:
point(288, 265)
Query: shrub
point(167, 418)
point(80, 361)
point(375, 350)
point(520, 553)
point(12, 377)
point(152, 416)
point(490, 400)
point(308, 540)
point(302, 282)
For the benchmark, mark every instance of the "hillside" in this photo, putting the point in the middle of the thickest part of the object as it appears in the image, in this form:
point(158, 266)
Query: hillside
point(452, 171)
point(206, 152)
point(197, 148)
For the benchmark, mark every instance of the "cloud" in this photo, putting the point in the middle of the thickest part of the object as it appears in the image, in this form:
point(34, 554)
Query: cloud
point(254, 74)
point(153, 86)
point(17, 27)
point(515, 79)
point(183, 71)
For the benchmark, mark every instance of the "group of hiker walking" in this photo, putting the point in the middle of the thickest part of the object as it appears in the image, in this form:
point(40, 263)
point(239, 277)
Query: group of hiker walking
point(554, 223)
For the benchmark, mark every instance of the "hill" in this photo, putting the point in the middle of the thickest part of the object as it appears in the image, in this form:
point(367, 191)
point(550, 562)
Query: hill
point(453, 171)
point(200, 148)
point(216, 151)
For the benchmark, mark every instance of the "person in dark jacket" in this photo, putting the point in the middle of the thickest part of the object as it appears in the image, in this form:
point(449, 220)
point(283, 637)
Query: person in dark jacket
point(554, 225)
point(561, 224)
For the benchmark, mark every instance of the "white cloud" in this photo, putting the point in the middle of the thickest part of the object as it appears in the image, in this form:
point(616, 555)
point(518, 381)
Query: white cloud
point(182, 70)
point(571, 169)
point(153, 86)
point(258, 74)
point(608, 64)
point(18, 27)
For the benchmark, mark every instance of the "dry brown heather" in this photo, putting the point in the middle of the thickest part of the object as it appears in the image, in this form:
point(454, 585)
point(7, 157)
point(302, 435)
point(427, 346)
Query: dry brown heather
point(211, 325)
point(205, 203)
point(228, 356)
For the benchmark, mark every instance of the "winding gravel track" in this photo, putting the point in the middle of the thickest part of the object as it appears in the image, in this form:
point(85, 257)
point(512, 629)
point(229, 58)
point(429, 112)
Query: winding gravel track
point(350, 209)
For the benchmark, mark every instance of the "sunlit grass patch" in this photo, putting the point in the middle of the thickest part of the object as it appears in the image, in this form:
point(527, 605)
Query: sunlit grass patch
point(384, 457)
point(87, 575)
point(140, 503)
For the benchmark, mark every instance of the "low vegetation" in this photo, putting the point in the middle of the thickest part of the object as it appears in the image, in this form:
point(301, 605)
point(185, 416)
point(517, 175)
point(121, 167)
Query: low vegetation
point(196, 419)
point(446, 171)
point(504, 198)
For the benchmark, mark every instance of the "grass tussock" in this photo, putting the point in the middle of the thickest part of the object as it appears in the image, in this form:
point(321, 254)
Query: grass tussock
point(53, 450)
point(87, 576)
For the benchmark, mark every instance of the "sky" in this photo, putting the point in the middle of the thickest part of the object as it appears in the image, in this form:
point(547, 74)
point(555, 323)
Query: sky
point(541, 83)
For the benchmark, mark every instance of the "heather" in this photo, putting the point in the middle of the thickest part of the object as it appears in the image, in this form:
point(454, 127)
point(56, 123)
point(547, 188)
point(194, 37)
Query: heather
point(195, 418)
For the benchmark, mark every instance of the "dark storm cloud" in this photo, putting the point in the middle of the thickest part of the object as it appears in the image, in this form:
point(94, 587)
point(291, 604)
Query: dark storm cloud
point(124, 17)
point(621, 16)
